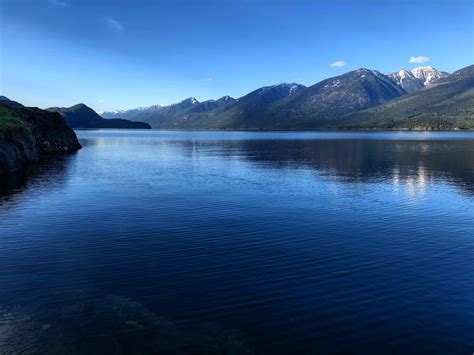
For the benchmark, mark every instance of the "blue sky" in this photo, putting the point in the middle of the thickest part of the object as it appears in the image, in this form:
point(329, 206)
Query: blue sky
point(123, 54)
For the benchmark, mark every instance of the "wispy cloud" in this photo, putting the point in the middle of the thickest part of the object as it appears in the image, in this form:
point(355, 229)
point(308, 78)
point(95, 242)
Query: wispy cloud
point(58, 3)
point(339, 64)
point(113, 24)
point(210, 79)
point(419, 59)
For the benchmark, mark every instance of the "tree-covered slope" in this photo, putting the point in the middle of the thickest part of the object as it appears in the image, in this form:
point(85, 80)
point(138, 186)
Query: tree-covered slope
point(236, 113)
point(174, 115)
point(447, 104)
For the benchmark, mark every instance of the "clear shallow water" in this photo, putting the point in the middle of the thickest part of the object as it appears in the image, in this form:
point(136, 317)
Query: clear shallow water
point(267, 242)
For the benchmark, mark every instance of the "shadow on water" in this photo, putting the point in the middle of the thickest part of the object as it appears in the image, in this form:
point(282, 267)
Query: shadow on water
point(46, 175)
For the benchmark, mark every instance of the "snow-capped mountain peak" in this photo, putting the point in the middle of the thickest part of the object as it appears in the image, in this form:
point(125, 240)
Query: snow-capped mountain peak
point(294, 89)
point(404, 74)
point(416, 78)
point(190, 101)
point(427, 74)
point(130, 113)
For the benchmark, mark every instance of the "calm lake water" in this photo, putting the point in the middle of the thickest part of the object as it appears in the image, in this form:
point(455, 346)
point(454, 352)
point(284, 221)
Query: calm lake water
point(228, 242)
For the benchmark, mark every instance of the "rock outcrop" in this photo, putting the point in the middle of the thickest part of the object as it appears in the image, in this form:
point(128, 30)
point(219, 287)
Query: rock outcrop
point(29, 134)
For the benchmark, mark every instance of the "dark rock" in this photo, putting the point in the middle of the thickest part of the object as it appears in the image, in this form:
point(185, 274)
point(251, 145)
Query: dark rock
point(29, 134)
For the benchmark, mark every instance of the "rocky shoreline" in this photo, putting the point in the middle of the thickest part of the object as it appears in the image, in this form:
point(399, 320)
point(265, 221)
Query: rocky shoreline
point(30, 134)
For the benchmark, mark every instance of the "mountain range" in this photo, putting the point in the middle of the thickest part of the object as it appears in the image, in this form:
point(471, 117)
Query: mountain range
point(233, 115)
point(420, 98)
point(339, 102)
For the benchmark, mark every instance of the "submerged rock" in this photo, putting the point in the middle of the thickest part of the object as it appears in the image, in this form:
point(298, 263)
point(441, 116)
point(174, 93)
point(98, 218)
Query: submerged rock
point(29, 134)
point(88, 323)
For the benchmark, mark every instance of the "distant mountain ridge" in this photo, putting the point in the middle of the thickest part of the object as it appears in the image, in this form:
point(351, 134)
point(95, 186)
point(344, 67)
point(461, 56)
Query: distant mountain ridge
point(212, 104)
point(170, 116)
point(290, 106)
point(246, 109)
point(82, 116)
point(184, 104)
point(129, 114)
point(184, 113)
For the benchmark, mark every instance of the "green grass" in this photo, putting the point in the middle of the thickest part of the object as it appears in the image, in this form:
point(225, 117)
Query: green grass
point(7, 120)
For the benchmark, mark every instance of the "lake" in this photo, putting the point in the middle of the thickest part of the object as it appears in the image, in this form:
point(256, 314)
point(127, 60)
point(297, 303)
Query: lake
point(242, 242)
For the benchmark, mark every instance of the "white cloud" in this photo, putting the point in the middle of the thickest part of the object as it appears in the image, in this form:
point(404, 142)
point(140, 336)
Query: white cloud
point(419, 59)
point(113, 24)
point(101, 100)
point(338, 64)
point(58, 3)
point(210, 79)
